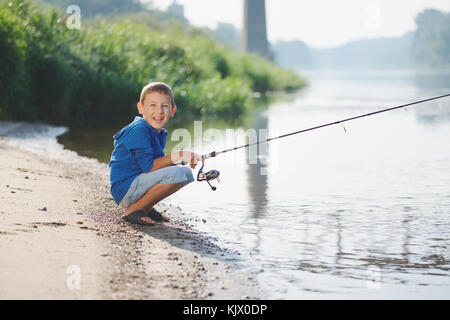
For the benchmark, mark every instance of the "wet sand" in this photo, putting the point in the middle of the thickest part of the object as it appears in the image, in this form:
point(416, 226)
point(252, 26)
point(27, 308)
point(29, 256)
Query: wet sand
point(62, 237)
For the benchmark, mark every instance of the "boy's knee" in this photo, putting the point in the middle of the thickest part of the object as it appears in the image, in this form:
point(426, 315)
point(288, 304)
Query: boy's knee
point(178, 174)
point(182, 174)
point(188, 173)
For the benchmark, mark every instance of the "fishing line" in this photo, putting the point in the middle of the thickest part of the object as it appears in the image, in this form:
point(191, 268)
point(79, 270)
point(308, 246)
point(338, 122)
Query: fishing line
point(214, 174)
point(215, 153)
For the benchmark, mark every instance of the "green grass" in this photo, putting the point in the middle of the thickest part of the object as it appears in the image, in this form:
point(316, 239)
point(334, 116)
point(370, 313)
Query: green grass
point(94, 75)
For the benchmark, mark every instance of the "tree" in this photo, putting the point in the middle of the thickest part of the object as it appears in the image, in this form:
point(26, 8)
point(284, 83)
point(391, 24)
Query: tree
point(94, 7)
point(431, 44)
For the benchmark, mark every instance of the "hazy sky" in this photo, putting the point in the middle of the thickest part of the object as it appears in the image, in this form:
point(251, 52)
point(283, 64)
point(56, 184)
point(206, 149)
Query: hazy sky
point(320, 23)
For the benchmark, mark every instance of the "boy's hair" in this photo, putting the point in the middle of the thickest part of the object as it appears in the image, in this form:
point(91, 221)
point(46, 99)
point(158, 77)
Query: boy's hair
point(157, 87)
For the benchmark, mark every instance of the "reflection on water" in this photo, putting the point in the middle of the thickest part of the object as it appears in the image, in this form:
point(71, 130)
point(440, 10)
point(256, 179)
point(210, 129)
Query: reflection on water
point(257, 179)
point(93, 143)
point(355, 213)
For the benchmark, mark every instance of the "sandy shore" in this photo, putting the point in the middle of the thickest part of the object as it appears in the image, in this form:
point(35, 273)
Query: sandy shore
point(62, 237)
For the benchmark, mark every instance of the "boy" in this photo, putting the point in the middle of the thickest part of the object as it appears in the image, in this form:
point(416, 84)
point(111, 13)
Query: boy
point(140, 174)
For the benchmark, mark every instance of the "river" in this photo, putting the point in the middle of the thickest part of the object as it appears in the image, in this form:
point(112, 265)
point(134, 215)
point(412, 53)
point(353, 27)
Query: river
point(359, 210)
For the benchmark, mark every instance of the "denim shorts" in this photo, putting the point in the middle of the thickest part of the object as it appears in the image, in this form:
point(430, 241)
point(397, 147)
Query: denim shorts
point(144, 181)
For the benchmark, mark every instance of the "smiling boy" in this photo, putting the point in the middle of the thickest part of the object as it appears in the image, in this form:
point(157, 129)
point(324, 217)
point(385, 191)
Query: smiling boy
point(140, 174)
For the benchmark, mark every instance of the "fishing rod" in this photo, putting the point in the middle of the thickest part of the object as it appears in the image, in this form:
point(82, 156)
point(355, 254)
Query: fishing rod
point(214, 174)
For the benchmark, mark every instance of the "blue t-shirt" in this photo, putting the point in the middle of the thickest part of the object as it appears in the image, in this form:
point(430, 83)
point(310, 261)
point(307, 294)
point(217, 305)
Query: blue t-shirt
point(135, 148)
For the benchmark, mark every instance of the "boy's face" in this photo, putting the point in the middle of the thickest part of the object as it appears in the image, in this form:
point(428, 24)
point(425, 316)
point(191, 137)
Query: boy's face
point(156, 109)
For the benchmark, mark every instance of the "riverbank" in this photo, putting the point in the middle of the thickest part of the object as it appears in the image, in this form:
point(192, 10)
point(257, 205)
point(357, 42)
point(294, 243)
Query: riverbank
point(62, 237)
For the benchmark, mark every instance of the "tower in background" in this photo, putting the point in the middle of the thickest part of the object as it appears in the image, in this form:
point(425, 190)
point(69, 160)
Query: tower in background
point(254, 31)
point(176, 8)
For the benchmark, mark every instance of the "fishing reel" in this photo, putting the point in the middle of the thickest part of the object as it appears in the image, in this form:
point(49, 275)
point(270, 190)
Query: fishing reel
point(208, 176)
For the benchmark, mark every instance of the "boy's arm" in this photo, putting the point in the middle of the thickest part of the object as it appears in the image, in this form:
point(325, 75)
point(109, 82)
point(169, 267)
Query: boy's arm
point(162, 162)
point(175, 157)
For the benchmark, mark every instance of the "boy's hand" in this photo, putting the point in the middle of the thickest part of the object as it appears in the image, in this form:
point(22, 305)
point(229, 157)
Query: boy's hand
point(190, 157)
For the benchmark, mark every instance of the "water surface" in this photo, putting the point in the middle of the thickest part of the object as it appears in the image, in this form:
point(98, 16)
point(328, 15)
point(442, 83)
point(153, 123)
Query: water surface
point(359, 210)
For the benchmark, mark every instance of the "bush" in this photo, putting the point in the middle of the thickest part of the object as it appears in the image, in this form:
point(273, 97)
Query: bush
point(94, 75)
